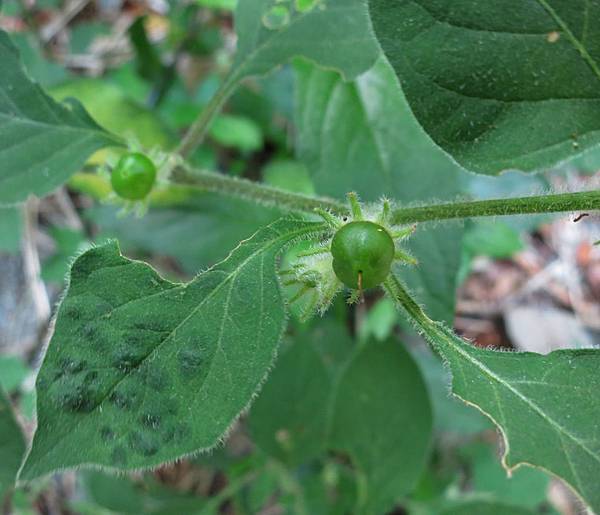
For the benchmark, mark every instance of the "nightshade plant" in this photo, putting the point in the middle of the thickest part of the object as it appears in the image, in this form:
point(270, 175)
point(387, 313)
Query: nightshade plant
point(142, 371)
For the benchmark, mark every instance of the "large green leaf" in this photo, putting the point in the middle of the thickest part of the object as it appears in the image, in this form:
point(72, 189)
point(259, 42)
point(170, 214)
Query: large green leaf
point(289, 419)
point(42, 143)
point(498, 85)
point(546, 407)
point(334, 33)
point(360, 136)
point(369, 402)
point(12, 446)
point(382, 418)
point(141, 371)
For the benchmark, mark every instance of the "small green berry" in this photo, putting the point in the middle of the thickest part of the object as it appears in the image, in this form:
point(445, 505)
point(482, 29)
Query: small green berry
point(363, 253)
point(133, 177)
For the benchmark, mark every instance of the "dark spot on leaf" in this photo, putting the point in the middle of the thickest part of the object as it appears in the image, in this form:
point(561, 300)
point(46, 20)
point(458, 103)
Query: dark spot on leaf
point(78, 399)
point(58, 373)
point(143, 443)
point(90, 377)
point(190, 361)
point(168, 435)
point(107, 433)
point(72, 366)
point(151, 420)
point(126, 360)
point(72, 312)
point(123, 400)
point(182, 432)
point(89, 331)
point(172, 407)
point(157, 379)
point(119, 456)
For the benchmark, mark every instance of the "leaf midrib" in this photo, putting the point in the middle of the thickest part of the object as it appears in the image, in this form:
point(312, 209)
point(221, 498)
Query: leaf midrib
point(288, 236)
point(226, 279)
point(488, 372)
point(579, 46)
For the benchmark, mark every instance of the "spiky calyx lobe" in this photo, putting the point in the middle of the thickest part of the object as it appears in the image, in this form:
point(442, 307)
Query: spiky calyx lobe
point(363, 253)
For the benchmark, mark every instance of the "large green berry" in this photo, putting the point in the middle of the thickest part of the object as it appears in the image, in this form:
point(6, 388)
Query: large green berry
point(362, 250)
point(133, 177)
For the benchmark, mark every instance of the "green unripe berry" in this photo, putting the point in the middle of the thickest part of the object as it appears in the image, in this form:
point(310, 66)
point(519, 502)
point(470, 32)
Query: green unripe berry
point(363, 253)
point(133, 177)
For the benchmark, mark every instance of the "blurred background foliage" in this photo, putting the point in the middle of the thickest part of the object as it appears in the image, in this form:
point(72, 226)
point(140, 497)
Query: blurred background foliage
point(145, 70)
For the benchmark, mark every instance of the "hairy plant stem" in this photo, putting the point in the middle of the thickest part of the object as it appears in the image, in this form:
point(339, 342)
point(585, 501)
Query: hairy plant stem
point(255, 192)
point(197, 132)
point(556, 203)
point(416, 315)
point(262, 194)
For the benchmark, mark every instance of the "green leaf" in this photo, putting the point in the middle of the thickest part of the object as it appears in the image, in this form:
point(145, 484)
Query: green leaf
point(11, 221)
point(497, 90)
point(42, 143)
point(485, 508)
point(12, 446)
point(13, 372)
point(228, 5)
point(119, 494)
point(495, 239)
point(526, 487)
point(382, 419)
point(289, 418)
point(141, 371)
point(333, 33)
point(360, 136)
point(450, 415)
point(117, 112)
point(41, 70)
point(289, 175)
point(238, 132)
point(545, 406)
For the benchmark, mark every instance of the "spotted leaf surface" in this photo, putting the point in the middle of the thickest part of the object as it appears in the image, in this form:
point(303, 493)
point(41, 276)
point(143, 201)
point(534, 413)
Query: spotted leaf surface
point(546, 407)
point(42, 142)
point(141, 371)
point(498, 85)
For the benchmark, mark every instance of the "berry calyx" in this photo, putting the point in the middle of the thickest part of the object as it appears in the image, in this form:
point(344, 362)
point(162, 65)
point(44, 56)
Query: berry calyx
point(134, 176)
point(363, 253)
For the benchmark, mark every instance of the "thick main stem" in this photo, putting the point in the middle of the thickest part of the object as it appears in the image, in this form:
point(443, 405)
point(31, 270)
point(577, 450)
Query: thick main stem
point(262, 194)
point(255, 192)
point(556, 203)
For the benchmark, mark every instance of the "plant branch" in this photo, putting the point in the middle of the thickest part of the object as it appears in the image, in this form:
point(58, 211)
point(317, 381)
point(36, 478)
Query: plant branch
point(405, 301)
point(255, 192)
point(436, 333)
point(197, 132)
point(556, 203)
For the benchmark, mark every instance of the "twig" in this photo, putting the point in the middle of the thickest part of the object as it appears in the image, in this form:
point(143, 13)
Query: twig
point(72, 9)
